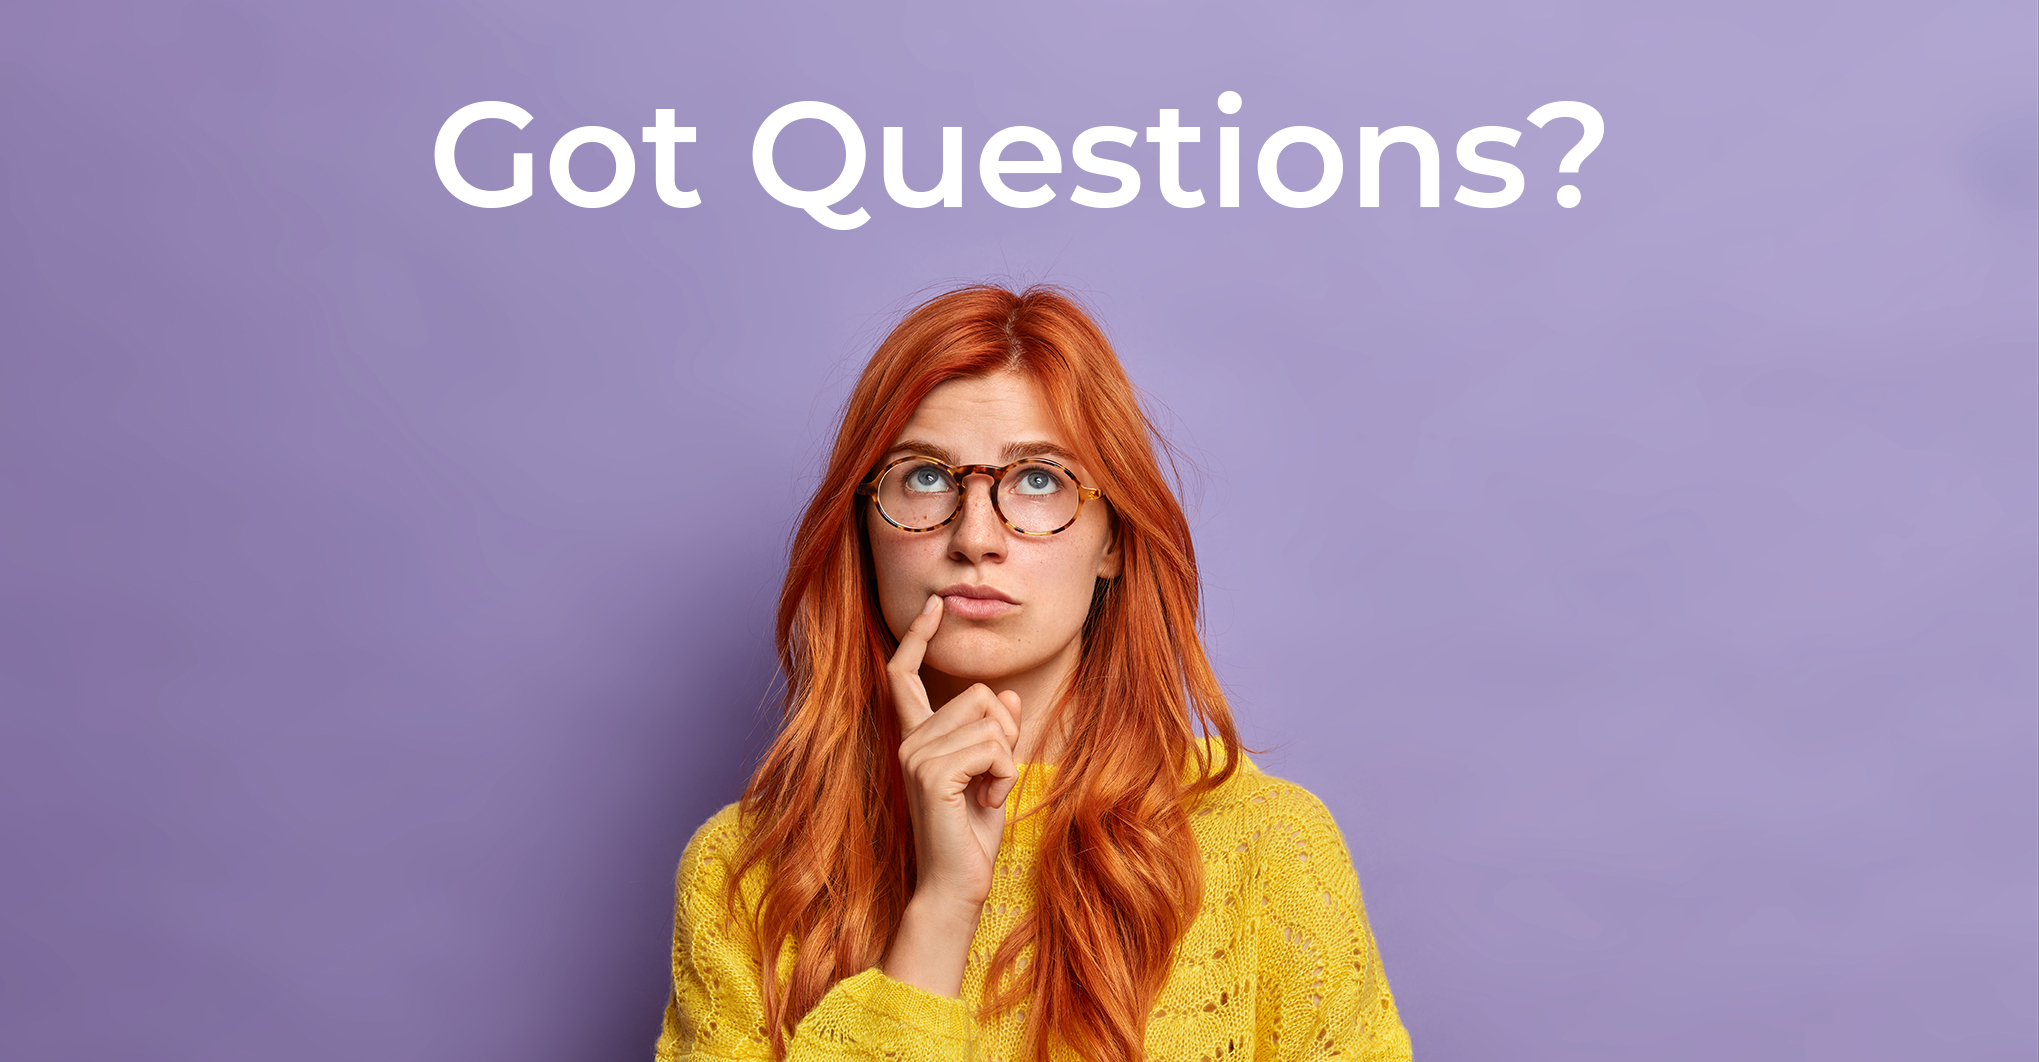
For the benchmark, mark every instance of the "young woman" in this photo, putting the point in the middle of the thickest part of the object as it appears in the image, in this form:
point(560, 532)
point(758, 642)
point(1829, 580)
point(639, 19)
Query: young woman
point(1007, 816)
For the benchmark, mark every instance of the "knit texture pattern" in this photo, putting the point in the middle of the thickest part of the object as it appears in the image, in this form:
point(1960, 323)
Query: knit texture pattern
point(1279, 964)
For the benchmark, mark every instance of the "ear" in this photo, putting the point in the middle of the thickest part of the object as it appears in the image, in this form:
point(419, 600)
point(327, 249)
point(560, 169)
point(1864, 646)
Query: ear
point(1109, 562)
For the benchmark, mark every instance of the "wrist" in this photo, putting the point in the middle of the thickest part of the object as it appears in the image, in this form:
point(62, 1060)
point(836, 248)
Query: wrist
point(942, 909)
point(933, 942)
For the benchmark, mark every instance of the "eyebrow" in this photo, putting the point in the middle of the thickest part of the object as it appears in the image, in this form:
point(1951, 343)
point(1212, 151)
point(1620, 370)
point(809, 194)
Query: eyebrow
point(1017, 451)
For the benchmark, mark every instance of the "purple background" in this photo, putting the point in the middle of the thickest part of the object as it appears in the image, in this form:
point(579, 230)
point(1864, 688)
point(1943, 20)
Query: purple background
point(1647, 587)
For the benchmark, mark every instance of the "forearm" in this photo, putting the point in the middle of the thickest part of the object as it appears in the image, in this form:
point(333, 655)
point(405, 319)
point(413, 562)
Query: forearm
point(716, 1010)
point(933, 943)
point(867, 1017)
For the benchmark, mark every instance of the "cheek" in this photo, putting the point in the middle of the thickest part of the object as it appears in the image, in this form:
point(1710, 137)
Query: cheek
point(899, 564)
point(1071, 577)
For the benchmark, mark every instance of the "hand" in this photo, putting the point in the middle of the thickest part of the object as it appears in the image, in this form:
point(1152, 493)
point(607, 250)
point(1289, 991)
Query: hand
point(957, 764)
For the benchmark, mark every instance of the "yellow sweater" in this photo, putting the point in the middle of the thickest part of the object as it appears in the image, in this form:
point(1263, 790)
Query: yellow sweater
point(1279, 963)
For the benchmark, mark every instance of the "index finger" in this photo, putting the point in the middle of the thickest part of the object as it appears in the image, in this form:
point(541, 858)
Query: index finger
point(908, 695)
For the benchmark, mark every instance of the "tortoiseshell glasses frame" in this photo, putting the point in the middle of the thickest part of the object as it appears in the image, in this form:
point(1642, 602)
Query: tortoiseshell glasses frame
point(959, 473)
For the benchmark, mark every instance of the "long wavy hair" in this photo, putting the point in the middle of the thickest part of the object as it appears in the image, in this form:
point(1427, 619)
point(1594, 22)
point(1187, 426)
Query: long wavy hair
point(1119, 875)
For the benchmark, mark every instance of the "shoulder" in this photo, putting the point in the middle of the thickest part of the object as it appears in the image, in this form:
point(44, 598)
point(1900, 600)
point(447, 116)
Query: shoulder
point(718, 838)
point(1272, 820)
point(706, 864)
point(1281, 862)
point(1254, 795)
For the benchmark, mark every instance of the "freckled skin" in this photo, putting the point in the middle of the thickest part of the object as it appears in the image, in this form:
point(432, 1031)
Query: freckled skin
point(1031, 649)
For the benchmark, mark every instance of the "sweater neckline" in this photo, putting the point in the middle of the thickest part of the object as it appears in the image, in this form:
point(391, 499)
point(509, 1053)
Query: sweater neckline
point(1023, 824)
point(1035, 779)
point(1023, 821)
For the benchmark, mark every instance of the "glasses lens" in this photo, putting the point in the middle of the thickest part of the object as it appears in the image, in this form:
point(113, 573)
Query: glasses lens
point(917, 494)
point(1038, 498)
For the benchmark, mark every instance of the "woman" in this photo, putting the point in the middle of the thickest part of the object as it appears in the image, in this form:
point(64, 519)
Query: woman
point(1007, 816)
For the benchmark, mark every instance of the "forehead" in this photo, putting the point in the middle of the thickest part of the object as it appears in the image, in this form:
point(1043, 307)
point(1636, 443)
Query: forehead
point(979, 416)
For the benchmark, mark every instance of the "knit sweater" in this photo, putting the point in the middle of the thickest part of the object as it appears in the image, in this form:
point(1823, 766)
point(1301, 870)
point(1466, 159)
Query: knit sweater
point(1279, 962)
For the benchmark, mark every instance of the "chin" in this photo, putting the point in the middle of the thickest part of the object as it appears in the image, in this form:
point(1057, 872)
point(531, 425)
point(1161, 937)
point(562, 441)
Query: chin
point(971, 660)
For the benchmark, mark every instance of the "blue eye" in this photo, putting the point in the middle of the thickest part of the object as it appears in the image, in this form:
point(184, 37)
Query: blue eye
point(1035, 481)
point(927, 479)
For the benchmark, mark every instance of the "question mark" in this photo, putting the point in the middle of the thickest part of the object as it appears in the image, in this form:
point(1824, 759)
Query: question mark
point(1568, 196)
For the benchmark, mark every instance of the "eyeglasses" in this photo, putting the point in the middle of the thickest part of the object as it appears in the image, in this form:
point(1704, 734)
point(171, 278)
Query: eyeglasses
point(1034, 496)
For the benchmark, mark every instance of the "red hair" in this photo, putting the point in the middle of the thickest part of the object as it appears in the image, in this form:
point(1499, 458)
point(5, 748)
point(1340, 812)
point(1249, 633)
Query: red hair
point(1120, 875)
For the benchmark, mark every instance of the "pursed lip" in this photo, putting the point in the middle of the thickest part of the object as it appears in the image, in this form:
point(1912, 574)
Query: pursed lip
point(982, 593)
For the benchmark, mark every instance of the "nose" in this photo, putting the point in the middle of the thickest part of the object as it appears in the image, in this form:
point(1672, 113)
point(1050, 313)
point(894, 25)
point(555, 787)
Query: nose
point(978, 533)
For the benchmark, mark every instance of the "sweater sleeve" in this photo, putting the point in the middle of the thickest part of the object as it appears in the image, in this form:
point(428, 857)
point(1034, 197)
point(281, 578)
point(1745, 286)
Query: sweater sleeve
point(715, 1012)
point(1323, 992)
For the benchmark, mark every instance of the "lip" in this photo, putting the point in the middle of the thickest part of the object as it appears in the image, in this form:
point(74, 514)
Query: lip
point(967, 601)
point(982, 593)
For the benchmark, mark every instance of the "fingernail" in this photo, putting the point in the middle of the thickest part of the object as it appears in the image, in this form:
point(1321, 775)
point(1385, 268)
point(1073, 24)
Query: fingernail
point(933, 601)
